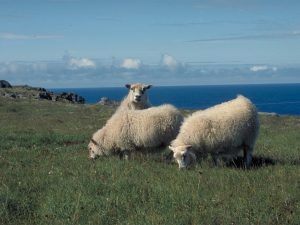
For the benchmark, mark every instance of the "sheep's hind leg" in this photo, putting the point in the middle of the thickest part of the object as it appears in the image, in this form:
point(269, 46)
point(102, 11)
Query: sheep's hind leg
point(247, 156)
point(215, 159)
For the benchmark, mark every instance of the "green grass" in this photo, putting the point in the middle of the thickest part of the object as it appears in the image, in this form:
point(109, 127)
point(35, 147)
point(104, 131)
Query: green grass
point(46, 177)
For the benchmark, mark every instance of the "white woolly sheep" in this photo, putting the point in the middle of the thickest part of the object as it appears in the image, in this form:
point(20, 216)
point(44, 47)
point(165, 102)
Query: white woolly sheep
point(134, 130)
point(222, 130)
point(137, 97)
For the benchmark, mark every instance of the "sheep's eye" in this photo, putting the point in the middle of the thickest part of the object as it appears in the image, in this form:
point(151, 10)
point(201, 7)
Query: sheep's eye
point(93, 152)
point(132, 89)
point(142, 91)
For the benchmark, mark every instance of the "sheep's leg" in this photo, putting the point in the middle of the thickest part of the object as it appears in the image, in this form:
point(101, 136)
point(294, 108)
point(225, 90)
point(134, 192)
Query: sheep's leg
point(215, 159)
point(247, 156)
point(125, 154)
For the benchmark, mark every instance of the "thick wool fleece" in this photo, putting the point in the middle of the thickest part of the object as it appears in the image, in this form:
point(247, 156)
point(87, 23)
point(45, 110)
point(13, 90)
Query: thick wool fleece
point(138, 129)
point(222, 129)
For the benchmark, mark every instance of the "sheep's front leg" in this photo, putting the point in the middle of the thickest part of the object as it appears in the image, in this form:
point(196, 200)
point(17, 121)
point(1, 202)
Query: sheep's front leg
point(247, 156)
point(125, 154)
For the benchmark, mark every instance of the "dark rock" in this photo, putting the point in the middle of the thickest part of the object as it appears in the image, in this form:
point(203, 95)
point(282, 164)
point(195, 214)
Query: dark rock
point(4, 84)
point(45, 95)
point(42, 89)
point(70, 97)
point(81, 100)
point(13, 95)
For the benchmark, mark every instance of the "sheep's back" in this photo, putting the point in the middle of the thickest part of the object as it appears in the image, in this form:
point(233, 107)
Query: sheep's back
point(155, 125)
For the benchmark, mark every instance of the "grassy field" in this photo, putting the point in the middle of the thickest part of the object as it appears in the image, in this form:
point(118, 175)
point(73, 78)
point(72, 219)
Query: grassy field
point(46, 177)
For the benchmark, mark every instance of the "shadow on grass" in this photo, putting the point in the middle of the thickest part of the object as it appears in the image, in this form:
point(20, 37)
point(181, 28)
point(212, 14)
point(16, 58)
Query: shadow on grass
point(260, 161)
point(15, 209)
point(238, 162)
point(257, 162)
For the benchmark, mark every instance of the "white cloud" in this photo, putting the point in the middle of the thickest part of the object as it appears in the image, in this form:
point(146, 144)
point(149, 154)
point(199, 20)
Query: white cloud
point(81, 63)
point(11, 36)
point(169, 61)
point(259, 68)
point(130, 63)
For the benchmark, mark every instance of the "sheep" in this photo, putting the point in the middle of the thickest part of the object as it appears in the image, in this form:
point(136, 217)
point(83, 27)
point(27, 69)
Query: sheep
point(222, 130)
point(137, 97)
point(136, 130)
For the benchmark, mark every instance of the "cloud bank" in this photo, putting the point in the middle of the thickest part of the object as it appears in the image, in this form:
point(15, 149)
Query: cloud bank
point(86, 72)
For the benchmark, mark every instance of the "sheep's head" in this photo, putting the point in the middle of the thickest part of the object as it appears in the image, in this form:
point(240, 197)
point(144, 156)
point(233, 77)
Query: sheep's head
point(183, 156)
point(95, 149)
point(137, 92)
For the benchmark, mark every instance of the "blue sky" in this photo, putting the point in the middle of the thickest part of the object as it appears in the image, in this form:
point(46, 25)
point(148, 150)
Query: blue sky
point(84, 43)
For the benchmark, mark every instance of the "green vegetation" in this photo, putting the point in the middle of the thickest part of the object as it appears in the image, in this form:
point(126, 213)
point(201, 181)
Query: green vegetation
point(24, 91)
point(46, 177)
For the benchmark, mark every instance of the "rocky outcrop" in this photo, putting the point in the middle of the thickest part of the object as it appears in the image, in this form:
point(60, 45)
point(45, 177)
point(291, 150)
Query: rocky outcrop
point(71, 97)
point(45, 95)
point(5, 84)
point(25, 91)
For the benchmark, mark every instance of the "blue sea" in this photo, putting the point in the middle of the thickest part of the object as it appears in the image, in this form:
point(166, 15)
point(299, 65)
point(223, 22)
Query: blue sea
point(278, 98)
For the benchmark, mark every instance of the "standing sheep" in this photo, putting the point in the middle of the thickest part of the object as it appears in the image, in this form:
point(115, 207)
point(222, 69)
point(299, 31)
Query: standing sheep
point(224, 129)
point(131, 130)
point(137, 97)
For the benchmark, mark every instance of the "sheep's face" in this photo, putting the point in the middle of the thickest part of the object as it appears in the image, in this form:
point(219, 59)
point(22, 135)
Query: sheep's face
point(94, 149)
point(183, 156)
point(137, 92)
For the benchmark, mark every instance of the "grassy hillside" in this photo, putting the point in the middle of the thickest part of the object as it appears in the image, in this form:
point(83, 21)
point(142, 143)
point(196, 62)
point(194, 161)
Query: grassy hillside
point(46, 177)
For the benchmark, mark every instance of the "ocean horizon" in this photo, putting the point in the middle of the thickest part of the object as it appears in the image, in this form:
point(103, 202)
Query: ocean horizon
point(272, 98)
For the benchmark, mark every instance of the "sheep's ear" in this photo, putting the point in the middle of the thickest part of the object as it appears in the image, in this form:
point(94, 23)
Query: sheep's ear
point(188, 147)
point(94, 142)
point(128, 86)
point(147, 86)
point(172, 148)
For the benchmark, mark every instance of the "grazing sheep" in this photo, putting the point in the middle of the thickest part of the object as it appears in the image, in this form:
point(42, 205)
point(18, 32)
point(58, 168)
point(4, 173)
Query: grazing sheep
point(131, 130)
point(137, 97)
point(224, 129)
